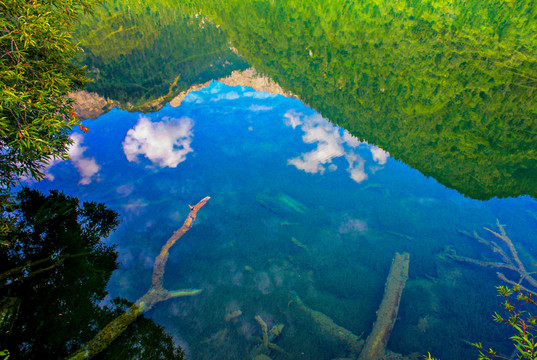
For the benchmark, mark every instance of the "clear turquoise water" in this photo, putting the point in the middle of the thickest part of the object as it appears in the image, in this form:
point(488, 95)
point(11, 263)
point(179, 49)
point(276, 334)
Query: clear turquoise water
point(277, 171)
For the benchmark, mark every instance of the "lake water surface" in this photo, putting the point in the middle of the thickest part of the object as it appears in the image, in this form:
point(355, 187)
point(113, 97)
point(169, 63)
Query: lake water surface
point(298, 207)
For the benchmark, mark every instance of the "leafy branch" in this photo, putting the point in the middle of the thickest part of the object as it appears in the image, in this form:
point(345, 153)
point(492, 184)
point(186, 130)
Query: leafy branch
point(521, 320)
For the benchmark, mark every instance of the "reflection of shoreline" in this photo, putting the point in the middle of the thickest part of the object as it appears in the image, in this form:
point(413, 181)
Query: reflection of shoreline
point(249, 77)
point(92, 105)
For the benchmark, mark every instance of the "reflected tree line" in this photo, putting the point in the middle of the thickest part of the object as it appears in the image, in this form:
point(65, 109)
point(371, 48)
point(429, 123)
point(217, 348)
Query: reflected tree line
point(448, 87)
point(54, 270)
point(137, 52)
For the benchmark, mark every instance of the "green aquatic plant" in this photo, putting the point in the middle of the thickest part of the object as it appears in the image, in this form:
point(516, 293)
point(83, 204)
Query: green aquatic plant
point(522, 321)
point(516, 301)
point(429, 357)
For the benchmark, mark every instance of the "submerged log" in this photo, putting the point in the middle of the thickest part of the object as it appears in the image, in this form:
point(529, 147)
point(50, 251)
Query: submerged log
point(375, 345)
point(280, 204)
point(154, 295)
point(329, 328)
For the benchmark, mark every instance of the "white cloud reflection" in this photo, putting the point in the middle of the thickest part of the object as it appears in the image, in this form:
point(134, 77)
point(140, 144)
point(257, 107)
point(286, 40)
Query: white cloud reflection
point(86, 167)
point(259, 94)
point(292, 118)
point(125, 190)
point(329, 146)
point(46, 170)
point(353, 226)
point(165, 143)
point(231, 95)
point(257, 108)
point(356, 167)
point(331, 143)
point(193, 97)
point(379, 155)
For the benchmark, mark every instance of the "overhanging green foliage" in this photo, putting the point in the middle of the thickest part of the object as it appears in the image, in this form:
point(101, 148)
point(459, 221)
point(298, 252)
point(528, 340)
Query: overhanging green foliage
point(36, 73)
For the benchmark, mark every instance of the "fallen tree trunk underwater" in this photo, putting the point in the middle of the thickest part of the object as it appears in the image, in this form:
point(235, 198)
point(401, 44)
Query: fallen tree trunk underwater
point(375, 345)
point(154, 295)
point(329, 328)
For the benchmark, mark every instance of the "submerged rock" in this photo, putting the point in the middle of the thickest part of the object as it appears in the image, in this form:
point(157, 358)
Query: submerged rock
point(281, 203)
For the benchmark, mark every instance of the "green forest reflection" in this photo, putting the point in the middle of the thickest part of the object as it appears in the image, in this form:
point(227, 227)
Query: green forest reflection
point(53, 277)
point(140, 51)
point(448, 87)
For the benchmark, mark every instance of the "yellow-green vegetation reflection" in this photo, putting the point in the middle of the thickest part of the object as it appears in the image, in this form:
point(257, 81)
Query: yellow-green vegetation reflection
point(448, 87)
point(145, 52)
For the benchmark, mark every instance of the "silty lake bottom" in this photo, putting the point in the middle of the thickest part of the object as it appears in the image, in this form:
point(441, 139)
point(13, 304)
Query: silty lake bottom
point(298, 209)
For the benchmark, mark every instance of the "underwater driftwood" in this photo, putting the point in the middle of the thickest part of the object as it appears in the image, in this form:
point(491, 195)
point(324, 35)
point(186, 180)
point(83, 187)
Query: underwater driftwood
point(329, 328)
point(509, 261)
point(375, 345)
point(267, 339)
point(154, 295)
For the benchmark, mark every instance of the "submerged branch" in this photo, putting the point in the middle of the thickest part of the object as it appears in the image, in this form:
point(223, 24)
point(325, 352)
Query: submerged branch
point(154, 295)
point(514, 284)
point(160, 261)
point(510, 259)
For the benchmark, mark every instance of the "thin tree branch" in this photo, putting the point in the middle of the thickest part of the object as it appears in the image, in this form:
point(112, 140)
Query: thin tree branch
point(154, 295)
